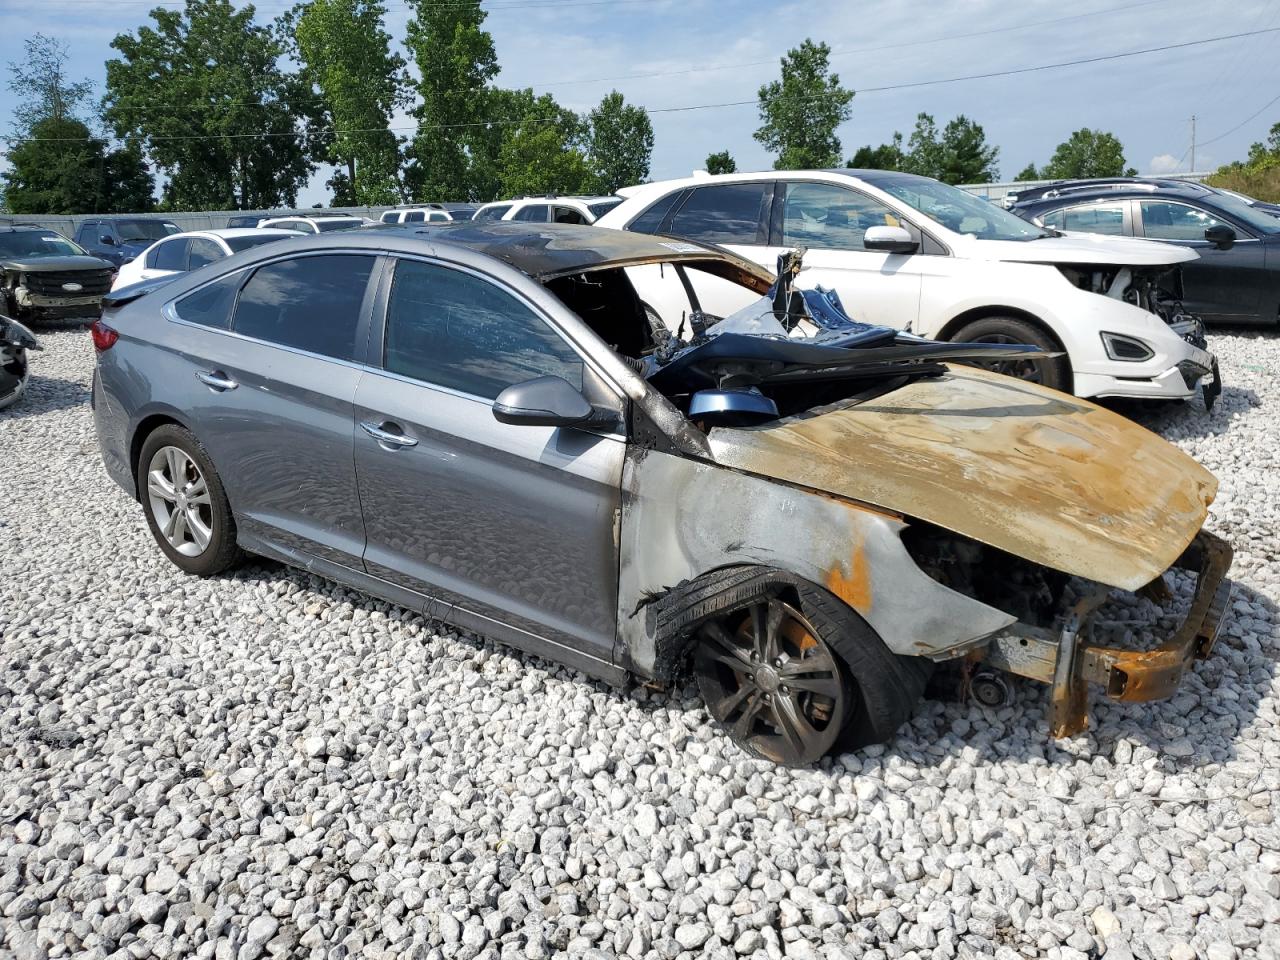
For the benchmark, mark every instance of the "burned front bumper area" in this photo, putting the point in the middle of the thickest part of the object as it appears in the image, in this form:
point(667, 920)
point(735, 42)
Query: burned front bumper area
point(1068, 659)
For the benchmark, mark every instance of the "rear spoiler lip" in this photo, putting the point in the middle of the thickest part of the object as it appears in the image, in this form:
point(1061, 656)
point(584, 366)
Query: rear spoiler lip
point(118, 298)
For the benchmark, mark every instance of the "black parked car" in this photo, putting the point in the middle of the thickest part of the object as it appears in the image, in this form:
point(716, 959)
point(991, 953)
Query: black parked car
point(120, 239)
point(1236, 279)
point(15, 341)
point(44, 276)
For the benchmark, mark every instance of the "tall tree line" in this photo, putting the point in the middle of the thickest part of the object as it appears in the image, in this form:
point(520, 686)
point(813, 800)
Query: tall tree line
point(231, 113)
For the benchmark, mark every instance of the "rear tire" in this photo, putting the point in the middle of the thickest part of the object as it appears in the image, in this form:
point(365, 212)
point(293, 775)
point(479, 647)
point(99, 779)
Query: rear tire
point(1054, 373)
point(185, 504)
point(819, 680)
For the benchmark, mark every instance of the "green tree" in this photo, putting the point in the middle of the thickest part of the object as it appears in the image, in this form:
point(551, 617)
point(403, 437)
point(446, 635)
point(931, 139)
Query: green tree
point(887, 156)
point(456, 60)
point(1029, 172)
point(1087, 153)
point(39, 81)
point(350, 72)
point(621, 143)
point(542, 148)
point(1258, 175)
point(201, 93)
point(800, 113)
point(60, 167)
point(957, 154)
point(721, 162)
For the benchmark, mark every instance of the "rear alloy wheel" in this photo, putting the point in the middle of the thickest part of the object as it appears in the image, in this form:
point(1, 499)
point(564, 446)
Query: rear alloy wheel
point(772, 683)
point(1054, 373)
point(186, 507)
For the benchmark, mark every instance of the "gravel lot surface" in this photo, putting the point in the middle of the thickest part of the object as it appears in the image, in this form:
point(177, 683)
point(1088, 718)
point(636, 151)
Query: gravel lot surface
point(268, 764)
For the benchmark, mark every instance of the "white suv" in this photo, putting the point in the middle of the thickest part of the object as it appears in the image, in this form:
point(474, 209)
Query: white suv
point(417, 213)
point(912, 253)
point(548, 209)
point(320, 223)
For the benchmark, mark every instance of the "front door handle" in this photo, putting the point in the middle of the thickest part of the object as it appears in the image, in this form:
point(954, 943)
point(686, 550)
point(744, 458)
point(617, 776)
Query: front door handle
point(216, 380)
point(380, 433)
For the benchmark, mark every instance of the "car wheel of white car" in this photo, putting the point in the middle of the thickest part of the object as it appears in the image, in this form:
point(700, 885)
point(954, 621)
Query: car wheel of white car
point(1054, 373)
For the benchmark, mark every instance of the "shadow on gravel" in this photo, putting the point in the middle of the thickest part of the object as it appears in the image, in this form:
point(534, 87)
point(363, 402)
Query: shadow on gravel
point(46, 395)
point(1174, 420)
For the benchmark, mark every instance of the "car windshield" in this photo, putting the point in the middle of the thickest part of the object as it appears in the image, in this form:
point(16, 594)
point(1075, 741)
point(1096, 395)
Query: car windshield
point(244, 243)
point(43, 243)
point(1258, 220)
point(324, 226)
point(956, 210)
point(131, 231)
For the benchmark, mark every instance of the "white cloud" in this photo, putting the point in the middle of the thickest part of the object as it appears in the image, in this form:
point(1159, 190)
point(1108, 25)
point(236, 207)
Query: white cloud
point(1164, 163)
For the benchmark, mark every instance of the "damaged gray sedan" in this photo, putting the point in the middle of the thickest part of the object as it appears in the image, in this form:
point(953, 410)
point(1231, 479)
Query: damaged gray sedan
point(806, 514)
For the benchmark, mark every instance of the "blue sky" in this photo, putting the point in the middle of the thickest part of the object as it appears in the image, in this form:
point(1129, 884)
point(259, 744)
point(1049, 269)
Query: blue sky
point(673, 53)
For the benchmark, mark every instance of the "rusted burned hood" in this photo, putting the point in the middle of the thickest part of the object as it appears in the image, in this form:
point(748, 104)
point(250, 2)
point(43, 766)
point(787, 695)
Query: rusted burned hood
point(1048, 477)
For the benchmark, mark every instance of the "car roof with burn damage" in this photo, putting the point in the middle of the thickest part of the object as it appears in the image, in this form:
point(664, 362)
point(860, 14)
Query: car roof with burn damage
point(548, 250)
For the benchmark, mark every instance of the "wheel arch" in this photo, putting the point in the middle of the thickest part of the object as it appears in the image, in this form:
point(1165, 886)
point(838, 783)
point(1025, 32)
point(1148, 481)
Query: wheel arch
point(987, 311)
point(143, 429)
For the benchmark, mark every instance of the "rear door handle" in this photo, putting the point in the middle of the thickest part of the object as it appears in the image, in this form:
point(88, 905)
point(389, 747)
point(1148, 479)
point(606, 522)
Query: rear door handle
point(216, 380)
point(380, 433)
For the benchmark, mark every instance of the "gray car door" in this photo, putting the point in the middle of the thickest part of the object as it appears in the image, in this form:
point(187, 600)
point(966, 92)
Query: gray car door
point(513, 523)
point(272, 398)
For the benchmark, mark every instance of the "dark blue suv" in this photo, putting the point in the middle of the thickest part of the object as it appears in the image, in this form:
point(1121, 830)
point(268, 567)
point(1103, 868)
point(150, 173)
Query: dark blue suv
point(120, 239)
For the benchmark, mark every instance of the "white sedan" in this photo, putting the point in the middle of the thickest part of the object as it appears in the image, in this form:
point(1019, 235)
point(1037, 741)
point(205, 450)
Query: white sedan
point(186, 251)
point(915, 254)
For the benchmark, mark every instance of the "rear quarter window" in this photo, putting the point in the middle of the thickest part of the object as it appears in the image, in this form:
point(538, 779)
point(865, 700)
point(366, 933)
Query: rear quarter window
point(210, 306)
point(309, 303)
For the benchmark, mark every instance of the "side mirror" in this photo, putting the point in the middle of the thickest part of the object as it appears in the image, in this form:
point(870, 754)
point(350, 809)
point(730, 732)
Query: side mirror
point(890, 240)
point(548, 402)
point(107, 240)
point(1221, 236)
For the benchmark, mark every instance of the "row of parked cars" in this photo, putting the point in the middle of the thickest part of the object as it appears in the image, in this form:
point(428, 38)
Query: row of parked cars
point(644, 453)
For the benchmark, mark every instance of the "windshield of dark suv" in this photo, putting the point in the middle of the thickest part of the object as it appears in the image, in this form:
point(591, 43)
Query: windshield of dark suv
point(42, 243)
point(133, 231)
point(1257, 220)
point(957, 210)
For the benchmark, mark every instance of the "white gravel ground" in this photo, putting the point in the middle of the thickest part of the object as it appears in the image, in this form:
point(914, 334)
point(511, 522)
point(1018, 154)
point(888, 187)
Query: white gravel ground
point(271, 765)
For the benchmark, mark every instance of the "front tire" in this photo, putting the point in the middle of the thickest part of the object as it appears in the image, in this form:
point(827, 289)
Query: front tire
point(185, 504)
point(791, 679)
point(1054, 373)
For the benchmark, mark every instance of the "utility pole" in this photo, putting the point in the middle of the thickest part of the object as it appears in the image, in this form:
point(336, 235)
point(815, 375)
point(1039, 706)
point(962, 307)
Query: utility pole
point(1193, 143)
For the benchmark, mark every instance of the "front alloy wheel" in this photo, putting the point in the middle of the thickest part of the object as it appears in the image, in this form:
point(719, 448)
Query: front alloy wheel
point(771, 681)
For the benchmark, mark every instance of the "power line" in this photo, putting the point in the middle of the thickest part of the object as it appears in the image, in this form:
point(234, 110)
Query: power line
point(706, 106)
point(1205, 143)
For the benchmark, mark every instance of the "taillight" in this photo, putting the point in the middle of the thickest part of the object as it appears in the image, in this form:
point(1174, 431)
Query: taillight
point(104, 338)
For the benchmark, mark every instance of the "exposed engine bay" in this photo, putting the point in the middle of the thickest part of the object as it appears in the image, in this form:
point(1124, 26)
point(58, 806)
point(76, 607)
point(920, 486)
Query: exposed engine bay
point(782, 354)
point(1157, 290)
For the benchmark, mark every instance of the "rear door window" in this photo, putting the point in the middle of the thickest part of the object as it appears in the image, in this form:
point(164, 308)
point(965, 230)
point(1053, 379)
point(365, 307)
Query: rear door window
point(415, 216)
point(566, 215)
point(725, 213)
point(533, 213)
point(309, 303)
point(456, 330)
point(203, 251)
point(1163, 220)
point(823, 216)
point(1105, 218)
point(170, 255)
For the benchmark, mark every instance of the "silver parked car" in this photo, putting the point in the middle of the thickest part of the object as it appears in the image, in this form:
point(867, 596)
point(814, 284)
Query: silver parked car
point(805, 513)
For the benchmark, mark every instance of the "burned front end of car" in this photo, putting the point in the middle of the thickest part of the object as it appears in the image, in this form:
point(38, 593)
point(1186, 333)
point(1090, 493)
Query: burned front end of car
point(1063, 636)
